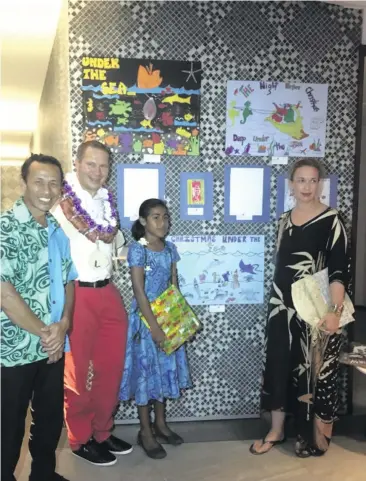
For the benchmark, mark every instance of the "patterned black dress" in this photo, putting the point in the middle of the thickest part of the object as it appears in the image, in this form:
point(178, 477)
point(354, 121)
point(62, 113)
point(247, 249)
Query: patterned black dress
point(291, 382)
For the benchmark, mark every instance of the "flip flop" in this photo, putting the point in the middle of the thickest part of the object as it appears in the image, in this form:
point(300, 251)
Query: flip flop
point(264, 441)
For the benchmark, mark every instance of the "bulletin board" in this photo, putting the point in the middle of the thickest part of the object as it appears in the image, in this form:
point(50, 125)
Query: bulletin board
point(232, 40)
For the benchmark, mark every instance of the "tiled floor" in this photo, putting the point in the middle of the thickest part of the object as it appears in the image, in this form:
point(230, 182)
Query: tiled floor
point(220, 461)
point(218, 451)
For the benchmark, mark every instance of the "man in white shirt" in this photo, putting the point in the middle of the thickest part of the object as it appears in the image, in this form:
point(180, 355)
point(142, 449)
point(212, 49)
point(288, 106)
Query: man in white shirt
point(98, 336)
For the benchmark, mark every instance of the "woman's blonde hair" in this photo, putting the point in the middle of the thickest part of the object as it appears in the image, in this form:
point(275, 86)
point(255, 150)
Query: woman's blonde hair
point(307, 162)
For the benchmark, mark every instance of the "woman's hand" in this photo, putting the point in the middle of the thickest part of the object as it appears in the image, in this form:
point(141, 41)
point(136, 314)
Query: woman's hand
point(158, 335)
point(330, 323)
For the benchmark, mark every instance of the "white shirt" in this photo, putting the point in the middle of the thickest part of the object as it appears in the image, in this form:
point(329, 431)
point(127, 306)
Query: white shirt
point(81, 247)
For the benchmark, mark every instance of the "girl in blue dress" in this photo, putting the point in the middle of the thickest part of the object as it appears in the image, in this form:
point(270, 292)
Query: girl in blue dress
point(150, 376)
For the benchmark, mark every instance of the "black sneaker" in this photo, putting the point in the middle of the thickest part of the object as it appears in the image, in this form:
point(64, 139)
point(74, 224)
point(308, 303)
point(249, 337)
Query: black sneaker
point(116, 446)
point(96, 454)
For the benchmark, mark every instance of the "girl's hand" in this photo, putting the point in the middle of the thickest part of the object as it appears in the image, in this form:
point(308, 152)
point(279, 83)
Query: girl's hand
point(330, 323)
point(158, 335)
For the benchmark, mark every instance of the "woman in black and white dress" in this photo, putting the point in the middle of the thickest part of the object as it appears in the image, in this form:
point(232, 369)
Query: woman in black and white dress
point(300, 373)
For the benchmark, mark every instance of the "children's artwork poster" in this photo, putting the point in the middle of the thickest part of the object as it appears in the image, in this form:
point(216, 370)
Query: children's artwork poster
point(286, 201)
point(196, 195)
point(195, 191)
point(225, 269)
point(142, 106)
point(276, 119)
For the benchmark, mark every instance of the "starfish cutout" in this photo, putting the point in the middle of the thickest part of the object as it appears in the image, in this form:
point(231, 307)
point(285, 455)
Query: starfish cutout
point(191, 73)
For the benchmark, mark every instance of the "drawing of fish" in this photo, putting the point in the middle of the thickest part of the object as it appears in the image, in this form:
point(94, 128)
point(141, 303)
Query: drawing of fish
point(248, 268)
point(146, 123)
point(188, 117)
point(149, 109)
point(183, 132)
point(176, 98)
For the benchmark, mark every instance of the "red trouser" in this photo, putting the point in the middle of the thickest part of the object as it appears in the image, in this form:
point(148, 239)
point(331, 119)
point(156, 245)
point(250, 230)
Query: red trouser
point(98, 334)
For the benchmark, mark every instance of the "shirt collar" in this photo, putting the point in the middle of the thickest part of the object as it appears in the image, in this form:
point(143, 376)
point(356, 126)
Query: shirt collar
point(72, 179)
point(23, 216)
point(22, 213)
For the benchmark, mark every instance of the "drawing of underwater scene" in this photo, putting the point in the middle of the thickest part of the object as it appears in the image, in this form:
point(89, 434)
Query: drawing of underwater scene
point(221, 269)
point(142, 106)
point(276, 118)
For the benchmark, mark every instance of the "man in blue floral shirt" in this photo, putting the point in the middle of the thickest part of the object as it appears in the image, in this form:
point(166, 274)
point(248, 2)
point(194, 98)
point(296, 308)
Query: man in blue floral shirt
point(37, 297)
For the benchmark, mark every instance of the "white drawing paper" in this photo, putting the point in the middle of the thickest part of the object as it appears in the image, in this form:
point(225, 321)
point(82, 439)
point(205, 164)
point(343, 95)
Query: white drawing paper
point(276, 119)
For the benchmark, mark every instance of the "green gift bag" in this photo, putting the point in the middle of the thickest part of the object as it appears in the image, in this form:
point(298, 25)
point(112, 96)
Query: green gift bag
point(175, 318)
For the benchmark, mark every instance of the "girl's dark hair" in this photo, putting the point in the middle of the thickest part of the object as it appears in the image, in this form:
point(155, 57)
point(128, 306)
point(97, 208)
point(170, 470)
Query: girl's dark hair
point(137, 229)
point(307, 163)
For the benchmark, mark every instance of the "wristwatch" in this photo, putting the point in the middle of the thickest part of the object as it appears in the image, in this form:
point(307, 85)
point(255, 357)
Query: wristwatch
point(336, 309)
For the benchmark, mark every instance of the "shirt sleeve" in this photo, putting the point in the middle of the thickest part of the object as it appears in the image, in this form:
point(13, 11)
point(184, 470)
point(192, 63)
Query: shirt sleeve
point(9, 250)
point(136, 255)
point(72, 272)
point(338, 258)
point(174, 252)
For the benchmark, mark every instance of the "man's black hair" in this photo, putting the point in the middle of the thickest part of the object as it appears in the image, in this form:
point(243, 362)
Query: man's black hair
point(42, 159)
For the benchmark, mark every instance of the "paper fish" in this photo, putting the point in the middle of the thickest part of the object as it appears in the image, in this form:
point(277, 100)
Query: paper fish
point(183, 132)
point(188, 117)
point(176, 98)
point(248, 268)
point(146, 123)
point(149, 109)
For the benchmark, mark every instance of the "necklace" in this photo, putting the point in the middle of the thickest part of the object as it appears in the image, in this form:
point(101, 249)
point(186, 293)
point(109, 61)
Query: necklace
point(73, 210)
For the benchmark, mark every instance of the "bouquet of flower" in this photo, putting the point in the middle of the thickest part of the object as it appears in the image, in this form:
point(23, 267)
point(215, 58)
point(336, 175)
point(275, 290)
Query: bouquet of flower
point(175, 318)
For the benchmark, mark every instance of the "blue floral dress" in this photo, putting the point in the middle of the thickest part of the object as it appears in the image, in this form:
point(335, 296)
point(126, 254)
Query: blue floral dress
point(149, 374)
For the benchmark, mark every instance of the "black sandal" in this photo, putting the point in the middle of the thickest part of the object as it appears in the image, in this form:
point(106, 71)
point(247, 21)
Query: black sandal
point(305, 450)
point(153, 453)
point(302, 448)
point(265, 441)
point(174, 439)
point(317, 452)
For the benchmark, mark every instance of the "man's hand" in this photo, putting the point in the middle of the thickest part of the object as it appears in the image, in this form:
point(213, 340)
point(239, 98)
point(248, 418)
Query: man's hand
point(55, 357)
point(54, 336)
